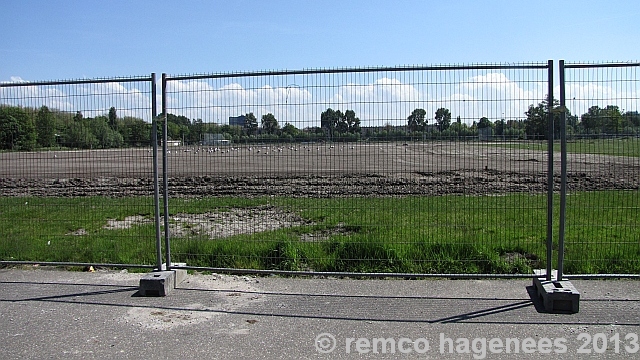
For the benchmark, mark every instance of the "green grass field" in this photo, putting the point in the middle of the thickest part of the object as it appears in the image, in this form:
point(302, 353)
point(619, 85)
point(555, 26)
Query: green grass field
point(619, 147)
point(447, 234)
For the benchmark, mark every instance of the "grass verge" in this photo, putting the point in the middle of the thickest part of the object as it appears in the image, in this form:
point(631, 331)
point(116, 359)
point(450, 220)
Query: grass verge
point(447, 234)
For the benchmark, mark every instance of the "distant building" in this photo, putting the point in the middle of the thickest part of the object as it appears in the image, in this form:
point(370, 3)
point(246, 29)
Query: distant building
point(214, 140)
point(237, 120)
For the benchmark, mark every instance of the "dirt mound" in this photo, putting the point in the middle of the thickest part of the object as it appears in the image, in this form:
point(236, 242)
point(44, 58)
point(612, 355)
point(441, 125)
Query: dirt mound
point(464, 182)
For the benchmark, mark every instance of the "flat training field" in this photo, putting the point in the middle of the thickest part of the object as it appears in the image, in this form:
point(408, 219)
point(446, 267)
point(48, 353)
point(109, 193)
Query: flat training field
point(313, 169)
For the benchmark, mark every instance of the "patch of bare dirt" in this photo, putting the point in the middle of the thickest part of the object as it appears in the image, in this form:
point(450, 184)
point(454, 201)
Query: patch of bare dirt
point(220, 224)
point(79, 232)
point(325, 234)
point(532, 259)
point(129, 221)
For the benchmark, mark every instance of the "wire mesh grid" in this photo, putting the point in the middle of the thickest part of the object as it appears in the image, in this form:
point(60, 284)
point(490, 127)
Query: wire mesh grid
point(603, 151)
point(407, 170)
point(76, 180)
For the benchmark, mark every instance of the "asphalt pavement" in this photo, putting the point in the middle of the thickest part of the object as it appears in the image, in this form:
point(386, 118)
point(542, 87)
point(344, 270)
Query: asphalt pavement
point(55, 314)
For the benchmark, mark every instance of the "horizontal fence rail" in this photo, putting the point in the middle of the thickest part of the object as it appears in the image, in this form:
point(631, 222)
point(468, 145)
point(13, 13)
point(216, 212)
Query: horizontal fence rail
point(76, 181)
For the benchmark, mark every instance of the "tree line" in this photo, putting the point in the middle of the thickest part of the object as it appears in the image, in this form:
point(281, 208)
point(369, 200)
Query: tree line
point(23, 128)
point(535, 124)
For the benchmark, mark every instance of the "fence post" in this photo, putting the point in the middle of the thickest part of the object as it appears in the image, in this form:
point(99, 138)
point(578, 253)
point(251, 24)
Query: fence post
point(550, 135)
point(165, 181)
point(563, 171)
point(156, 191)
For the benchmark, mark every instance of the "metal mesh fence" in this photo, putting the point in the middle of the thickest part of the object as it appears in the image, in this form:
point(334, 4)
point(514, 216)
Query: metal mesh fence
point(435, 170)
point(431, 170)
point(76, 181)
point(603, 157)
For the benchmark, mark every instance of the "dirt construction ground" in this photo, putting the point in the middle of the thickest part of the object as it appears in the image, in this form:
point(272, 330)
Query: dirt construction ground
point(312, 170)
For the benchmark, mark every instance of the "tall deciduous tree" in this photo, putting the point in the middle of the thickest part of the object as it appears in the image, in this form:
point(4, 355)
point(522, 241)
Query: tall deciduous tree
point(45, 127)
point(416, 121)
point(607, 120)
point(290, 130)
point(484, 123)
point(250, 124)
point(329, 120)
point(443, 119)
point(16, 129)
point(353, 122)
point(536, 123)
point(270, 124)
point(113, 118)
point(106, 136)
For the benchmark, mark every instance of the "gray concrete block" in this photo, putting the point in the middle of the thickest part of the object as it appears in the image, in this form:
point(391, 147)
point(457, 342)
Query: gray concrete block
point(157, 283)
point(181, 274)
point(161, 283)
point(558, 296)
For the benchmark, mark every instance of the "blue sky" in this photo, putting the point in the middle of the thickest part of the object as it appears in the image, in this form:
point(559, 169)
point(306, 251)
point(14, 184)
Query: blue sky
point(46, 40)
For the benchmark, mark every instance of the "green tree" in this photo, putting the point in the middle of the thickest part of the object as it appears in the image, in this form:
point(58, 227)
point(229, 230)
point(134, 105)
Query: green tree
point(607, 120)
point(416, 121)
point(113, 118)
point(105, 136)
point(78, 116)
point(484, 123)
point(352, 121)
point(329, 120)
point(78, 135)
point(498, 126)
point(632, 117)
point(135, 131)
point(613, 119)
point(536, 123)
point(196, 131)
point(250, 124)
point(290, 130)
point(17, 131)
point(178, 119)
point(270, 124)
point(443, 119)
point(173, 131)
point(45, 127)
point(341, 124)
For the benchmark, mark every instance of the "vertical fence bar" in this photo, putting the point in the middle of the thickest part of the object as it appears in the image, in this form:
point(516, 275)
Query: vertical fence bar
point(156, 191)
point(550, 134)
point(563, 170)
point(165, 181)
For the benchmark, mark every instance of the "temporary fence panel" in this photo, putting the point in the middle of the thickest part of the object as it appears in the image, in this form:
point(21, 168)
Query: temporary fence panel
point(420, 170)
point(76, 180)
point(602, 226)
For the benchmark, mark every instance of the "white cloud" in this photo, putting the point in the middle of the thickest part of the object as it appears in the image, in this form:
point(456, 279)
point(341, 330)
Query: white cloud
point(197, 99)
